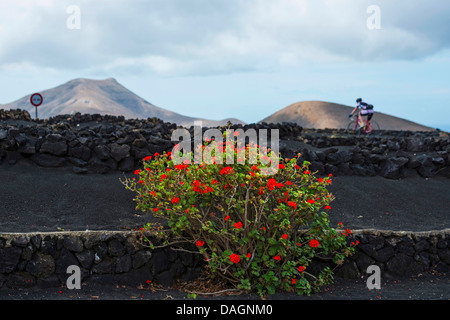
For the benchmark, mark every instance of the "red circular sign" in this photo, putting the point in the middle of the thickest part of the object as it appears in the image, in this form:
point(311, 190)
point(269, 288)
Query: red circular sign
point(36, 99)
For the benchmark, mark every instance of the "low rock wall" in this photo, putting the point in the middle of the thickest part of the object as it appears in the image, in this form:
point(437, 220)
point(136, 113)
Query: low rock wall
point(95, 143)
point(398, 253)
point(41, 259)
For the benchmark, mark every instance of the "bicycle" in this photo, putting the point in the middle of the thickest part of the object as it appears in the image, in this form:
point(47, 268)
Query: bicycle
point(364, 126)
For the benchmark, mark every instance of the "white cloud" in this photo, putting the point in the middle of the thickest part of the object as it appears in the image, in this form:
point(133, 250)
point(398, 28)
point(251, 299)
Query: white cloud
point(180, 37)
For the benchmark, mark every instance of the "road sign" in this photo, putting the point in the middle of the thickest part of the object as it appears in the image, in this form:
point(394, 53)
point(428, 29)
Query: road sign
point(36, 100)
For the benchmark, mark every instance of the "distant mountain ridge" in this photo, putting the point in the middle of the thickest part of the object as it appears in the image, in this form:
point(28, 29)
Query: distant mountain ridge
point(109, 97)
point(103, 97)
point(322, 115)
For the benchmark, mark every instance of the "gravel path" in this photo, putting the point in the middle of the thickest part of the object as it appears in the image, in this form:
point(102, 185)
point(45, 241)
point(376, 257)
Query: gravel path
point(41, 199)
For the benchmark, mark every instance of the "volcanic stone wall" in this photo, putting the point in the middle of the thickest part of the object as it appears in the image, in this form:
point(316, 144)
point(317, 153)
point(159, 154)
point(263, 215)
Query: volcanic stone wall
point(112, 257)
point(99, 144)
point(84, 143)
point(398, 253)
point(41, 259)
point(391, 154)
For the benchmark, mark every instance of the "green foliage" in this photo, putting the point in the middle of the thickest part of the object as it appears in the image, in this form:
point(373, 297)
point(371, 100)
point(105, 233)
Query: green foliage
point(259, 232)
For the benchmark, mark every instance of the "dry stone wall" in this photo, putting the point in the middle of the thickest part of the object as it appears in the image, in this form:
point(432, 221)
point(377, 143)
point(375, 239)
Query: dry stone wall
point(42, 259)
point(99, 144)
point(113, 257)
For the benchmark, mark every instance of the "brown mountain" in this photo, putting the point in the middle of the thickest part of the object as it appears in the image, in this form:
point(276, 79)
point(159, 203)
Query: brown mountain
point(322, 115)
point(103, 97)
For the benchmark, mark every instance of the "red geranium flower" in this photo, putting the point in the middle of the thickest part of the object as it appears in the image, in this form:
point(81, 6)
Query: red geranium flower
point(327, 207)
point(147, 158)
point(261, 190)
point(226, 170)
point(175, 200)
point(314, 243)
point(137, 171)
point(200, 243)
point(284, 236)
point(238, 225)
point(292, 204)
point(234, 258)
point(347, 232)
point(311, 201)
point(301, 269)
point(271, 183)
point(227, 217)
point(278, 258)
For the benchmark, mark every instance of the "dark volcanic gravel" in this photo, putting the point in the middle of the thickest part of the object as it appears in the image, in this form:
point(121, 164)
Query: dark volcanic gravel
point(41, 199)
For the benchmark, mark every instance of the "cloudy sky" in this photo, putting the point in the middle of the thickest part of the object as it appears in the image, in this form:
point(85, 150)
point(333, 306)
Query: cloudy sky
point(236, 58)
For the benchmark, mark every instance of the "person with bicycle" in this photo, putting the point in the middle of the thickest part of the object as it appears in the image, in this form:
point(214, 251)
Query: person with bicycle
point(366, 111)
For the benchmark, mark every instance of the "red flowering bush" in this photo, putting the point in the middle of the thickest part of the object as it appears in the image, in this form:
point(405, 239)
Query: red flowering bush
point(258, 232)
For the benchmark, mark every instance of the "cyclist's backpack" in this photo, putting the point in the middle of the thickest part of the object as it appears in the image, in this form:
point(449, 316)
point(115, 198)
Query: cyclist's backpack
point(366, 106)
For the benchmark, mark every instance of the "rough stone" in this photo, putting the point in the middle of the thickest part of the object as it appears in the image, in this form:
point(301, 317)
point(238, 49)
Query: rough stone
point(48, 160)
point(86, 258)
point(20, 242)
point(74, 244)
point(349, 270)
point(115, 248)
point(422, 245)
point(123, 264)
point(119, 152)
point(102, 152)
point(65, 259)
point(54, 145)
point(9, 258)
point(399, 264)
point(42, 265)
point(444, 255)
point(384, 254)
point(140, 258)
point(103, 267)
point(20, 280)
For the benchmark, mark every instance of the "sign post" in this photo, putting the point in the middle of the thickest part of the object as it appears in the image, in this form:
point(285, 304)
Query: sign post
point(36, 100)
